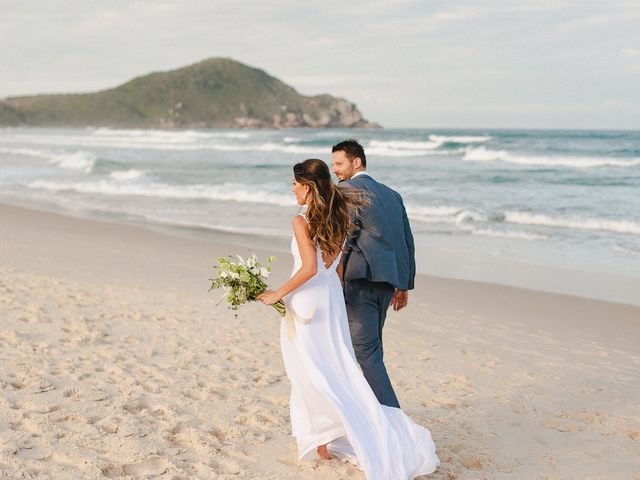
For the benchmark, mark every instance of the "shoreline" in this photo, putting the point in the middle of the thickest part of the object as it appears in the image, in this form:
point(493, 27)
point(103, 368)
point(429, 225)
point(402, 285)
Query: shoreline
point(433, 259)
point(115, 362)
point(190, 277)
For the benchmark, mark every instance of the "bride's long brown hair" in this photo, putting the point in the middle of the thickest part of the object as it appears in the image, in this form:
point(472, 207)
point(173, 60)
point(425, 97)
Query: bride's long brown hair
point(332, 208)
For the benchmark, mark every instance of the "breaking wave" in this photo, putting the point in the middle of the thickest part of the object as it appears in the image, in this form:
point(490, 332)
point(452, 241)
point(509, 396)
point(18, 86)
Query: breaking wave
point(597, 224)
point(78, 160)
point(224, 192)
point(482, 154)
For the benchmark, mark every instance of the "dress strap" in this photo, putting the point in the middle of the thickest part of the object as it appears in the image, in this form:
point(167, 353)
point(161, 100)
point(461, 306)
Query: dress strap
point(304, 216)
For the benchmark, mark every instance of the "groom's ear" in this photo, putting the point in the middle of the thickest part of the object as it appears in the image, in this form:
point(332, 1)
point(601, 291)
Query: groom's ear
point(357, 162)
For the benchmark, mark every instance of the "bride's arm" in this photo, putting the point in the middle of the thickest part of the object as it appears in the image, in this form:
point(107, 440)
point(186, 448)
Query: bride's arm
point(309, 263)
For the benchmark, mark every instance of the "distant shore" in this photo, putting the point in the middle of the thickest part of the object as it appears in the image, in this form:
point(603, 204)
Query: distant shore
point(236, 95)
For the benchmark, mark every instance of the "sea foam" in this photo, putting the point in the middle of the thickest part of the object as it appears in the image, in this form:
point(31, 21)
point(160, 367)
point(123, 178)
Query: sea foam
point(482, 154)
point(510, 234)
point(403, 148)
point(225, 192)
point(171, 135)
point(78, 160)
point(459, 138)
point(578, 223)
point(634, 252)
point(444, 214)
point(124, 175)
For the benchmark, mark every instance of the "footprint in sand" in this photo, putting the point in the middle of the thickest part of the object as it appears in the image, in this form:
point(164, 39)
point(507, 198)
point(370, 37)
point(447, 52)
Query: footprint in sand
point(25, 425)
point(219, 434)
point(73, 393)
point(149, 467)
point(111, 471)
point(472, 463)
point(64, 461)
point(223, 465)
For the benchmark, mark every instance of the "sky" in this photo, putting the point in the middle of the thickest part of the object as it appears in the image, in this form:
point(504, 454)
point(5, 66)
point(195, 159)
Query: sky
point(423, 64)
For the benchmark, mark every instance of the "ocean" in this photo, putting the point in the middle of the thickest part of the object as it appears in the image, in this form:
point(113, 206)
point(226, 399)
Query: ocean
point(550, 210)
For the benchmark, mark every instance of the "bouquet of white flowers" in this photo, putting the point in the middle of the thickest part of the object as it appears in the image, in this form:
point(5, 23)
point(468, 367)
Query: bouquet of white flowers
point(243, 281)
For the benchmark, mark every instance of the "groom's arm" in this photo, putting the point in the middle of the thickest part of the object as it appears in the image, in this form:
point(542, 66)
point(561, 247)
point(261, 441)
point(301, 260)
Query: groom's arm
point(400, 298)
point(411, 248)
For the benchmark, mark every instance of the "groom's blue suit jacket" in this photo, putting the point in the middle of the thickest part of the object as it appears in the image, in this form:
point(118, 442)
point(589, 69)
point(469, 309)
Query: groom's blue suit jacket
point(382, 249)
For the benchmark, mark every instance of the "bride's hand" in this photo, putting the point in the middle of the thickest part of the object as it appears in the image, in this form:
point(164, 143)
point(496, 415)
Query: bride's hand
point(268, 297)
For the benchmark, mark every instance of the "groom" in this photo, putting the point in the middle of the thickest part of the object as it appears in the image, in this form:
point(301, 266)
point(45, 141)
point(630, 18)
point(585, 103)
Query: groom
point(378, 262)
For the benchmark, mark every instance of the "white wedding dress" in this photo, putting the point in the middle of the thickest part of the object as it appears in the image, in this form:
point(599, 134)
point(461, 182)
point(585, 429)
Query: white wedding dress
point(331, 401)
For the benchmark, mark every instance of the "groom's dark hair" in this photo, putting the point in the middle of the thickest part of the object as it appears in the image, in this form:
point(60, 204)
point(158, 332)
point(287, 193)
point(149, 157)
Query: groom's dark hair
point(352, 149)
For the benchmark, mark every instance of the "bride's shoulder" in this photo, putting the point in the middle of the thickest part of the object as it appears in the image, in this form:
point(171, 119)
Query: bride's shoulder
point(299, 219)
point(300, 226)
point(302, 235)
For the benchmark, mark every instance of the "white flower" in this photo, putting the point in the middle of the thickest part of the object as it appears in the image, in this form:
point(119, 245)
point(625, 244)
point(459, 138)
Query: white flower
point(241, 260)
point(264, 273)
point(224, 274)
point(254, 271)
point(234, 275)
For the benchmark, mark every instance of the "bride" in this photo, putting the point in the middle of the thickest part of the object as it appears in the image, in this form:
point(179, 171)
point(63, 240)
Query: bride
point(333, 410)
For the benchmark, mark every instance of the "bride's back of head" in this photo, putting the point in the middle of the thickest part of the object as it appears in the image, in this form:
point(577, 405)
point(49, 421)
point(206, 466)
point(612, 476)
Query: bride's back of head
point(332, 208)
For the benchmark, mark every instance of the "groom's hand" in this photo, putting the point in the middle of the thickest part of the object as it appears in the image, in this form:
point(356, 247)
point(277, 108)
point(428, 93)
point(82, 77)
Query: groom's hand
point(400, 299)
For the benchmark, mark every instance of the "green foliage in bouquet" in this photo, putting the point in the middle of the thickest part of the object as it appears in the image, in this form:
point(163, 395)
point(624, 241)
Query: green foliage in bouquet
point(244, 280)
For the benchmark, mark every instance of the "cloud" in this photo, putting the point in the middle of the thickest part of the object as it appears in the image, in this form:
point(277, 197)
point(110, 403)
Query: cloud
point(630, 52)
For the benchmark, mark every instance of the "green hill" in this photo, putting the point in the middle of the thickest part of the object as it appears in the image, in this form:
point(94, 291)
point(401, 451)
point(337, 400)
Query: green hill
point(217, 92)
point(10, 116)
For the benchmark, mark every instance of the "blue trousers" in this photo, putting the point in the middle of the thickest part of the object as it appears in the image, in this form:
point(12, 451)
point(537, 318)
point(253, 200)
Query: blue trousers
point(367, 303)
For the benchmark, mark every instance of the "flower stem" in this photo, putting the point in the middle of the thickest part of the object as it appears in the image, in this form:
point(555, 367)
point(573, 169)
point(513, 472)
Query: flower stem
point(280, 308)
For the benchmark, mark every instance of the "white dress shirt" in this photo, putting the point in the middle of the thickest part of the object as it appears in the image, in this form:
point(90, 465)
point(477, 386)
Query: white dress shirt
point(361, 172)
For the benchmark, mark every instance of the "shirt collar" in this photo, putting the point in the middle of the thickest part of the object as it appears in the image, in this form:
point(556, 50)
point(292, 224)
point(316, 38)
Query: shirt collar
point(361, 172)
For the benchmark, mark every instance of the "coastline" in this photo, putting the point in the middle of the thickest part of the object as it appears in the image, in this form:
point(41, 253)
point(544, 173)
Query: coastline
point(435, 258)
point(516, 221)
point(27, 224)
point(116, 362)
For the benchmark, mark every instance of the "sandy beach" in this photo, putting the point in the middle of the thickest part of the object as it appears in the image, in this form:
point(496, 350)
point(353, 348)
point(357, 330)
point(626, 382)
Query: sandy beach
point(116, 363)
